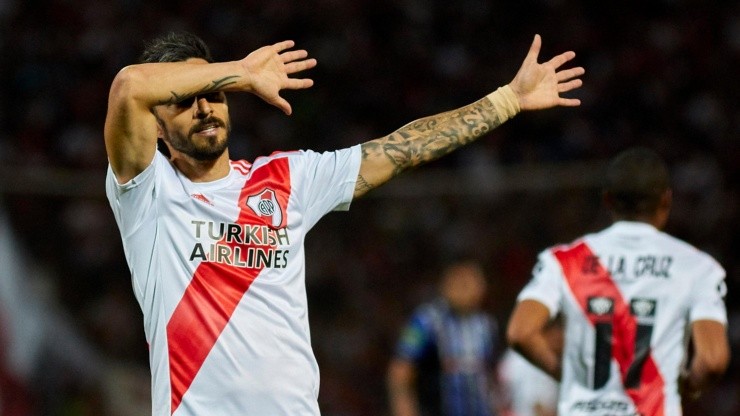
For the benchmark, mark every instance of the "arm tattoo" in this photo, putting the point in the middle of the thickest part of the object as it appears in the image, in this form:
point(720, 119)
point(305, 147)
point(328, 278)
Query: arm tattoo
point(429, 138)
point(362, 185)
point(215, 85)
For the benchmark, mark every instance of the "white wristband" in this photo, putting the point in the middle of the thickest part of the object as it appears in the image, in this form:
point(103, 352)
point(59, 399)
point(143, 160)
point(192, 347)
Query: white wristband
point(505, 102)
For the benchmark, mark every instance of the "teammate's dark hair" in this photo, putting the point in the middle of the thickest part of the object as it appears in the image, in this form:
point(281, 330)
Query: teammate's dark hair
point(636, 179)
point(175, 47)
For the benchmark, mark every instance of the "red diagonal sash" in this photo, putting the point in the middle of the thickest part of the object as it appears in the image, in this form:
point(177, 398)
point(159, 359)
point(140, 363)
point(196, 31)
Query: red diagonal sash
point(587, 277)
point(215, 289)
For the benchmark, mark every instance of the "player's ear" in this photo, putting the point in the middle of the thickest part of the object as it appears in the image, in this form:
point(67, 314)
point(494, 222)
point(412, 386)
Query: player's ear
point(666, 200)
point(663, 210)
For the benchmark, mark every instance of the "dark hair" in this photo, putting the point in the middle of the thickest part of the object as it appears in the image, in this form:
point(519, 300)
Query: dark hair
point(175, 47)
point(636, 179)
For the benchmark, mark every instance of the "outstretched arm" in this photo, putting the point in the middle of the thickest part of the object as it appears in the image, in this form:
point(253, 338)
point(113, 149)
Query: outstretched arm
point(130, 125)
point(536, 86)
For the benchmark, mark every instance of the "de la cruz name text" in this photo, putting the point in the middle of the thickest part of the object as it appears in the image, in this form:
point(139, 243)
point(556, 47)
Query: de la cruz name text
point(626, 267)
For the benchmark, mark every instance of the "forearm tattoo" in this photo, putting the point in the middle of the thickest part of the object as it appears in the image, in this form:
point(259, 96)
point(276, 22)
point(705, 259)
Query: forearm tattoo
point(429, 138)
point(362, 185)
point(215, 85)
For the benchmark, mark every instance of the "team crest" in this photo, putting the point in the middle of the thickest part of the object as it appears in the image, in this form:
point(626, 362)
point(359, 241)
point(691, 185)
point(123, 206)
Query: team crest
point(643, 308)
point(600, 305)
point(265, 204)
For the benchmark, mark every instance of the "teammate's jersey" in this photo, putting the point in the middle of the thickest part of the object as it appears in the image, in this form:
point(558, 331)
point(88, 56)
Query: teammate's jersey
point(454, 357)
point(218, 270)
point(628, 295)
point(525, 386)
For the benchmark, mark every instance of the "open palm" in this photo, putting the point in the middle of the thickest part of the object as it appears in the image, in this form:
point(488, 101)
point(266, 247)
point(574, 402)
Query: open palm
point(538, 86)
point(269, 69)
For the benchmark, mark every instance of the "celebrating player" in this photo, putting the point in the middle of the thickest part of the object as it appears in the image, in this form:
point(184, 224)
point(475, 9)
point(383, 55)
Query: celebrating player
point(216, 247)
point(630, 296)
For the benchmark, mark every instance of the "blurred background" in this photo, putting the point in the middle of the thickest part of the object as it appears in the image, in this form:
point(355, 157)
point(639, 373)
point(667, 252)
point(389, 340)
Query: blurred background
point(659, 73)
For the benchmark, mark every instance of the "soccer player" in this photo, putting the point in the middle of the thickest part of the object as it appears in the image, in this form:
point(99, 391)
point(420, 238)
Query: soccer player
point(631, 296)
point(216, 246)
point(444, 362)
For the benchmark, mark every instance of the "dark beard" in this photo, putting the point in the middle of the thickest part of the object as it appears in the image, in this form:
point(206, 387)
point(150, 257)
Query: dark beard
point(212, 150)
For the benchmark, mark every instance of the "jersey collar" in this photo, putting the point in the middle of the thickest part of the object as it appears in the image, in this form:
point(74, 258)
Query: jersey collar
point(633, 226)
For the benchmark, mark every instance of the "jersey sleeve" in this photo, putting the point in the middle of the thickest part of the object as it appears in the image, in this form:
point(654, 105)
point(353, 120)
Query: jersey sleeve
point(416, 337)
point(133, 202)
point(708, 293)
point(134, 206)
point(327, 181)
point(546, 284)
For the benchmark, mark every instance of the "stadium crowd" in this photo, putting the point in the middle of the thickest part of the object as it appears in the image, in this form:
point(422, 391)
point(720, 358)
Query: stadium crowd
point(660, 73)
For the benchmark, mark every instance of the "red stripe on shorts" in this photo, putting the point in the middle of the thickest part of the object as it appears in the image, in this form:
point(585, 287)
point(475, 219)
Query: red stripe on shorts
point(216, 288)
point(587, 277)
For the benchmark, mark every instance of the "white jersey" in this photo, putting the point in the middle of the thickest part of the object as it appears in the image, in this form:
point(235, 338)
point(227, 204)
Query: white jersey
point(628, 295)
point(218, 269)
point(525, 385)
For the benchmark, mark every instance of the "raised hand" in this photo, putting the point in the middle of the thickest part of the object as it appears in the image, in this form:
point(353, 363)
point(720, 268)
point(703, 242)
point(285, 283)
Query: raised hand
point(538, 86)
point(269, 69)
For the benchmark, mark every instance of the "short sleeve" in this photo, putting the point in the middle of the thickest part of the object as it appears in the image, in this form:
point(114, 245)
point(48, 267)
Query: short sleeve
point(546, 284)
point(133, 202)
point(327, 180)
point(415, 339)
point(707, 296)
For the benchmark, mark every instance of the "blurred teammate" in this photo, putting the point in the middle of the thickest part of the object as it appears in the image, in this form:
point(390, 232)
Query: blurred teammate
point(444, 361)
point(631, 296)
point(524, 389)
point(216, 247)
